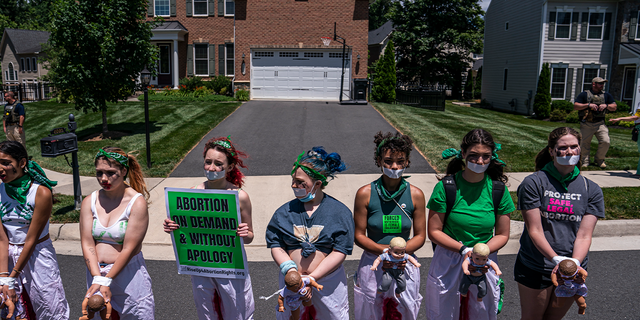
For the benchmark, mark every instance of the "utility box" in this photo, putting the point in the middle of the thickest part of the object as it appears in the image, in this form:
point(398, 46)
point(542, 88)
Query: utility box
point(58, 143)
point(360, 89)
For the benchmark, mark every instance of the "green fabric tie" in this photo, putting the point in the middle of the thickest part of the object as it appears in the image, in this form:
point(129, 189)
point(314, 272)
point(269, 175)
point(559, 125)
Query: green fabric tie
point(313, 174)
point(18, 189)
point(382, 192)
point(551, 169)
point(450, 153)
point(494, 154)
point(123, 160)
point(226, 144)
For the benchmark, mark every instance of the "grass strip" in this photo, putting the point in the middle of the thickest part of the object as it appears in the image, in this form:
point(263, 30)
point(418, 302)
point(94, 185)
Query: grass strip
point(521, 138)
point(175, 128)
point(64, 209)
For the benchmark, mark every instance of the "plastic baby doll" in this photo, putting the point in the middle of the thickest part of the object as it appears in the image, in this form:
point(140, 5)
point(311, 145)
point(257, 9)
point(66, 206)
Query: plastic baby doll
point(294, 291)
point(475, 268)
point(396, 253)
point(571, 282)
point(6, 302)
point(95, 304)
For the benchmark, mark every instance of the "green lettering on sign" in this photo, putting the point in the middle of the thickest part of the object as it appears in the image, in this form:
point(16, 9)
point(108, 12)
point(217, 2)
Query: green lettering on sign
point(392, 224)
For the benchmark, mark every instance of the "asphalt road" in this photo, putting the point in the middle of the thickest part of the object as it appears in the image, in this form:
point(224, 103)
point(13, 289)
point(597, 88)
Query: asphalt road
point(274, 133)
point(612, 289)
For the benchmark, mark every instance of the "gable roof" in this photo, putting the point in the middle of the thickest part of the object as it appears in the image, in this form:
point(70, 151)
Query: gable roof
point(170, 25)
point(378, 36)
point(26, 41)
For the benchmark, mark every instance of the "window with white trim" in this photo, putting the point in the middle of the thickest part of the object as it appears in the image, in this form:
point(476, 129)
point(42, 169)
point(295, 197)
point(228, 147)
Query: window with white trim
point(588, 75)
point(22, 66)
point(563, 25)
point(638, 27)
point(229, 8)
point(11, 73)
point(28, 64)
point(558, 81)
point(161, 7)
point(287, 54)
point(595, 26)
point(200, 7)
point(34, 64)
point(313, 54)
point(264, 54)
point(230, 62)
point(201, 59)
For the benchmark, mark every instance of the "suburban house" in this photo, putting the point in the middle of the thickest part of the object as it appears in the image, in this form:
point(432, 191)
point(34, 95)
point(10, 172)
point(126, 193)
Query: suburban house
point(273, 48)
point(576, 38)
point(378, 40)
point(625, 72)
point(21, 52)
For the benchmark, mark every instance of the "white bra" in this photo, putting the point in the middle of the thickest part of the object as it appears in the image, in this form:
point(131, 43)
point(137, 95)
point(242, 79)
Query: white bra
point(113, 234)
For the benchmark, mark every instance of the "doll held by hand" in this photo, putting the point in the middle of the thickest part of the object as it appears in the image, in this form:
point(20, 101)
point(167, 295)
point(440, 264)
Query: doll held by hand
point(475, 267)
point(396, 253)
point(7, 303)
point(568, 277)
point(294, 292)
point(95, 304)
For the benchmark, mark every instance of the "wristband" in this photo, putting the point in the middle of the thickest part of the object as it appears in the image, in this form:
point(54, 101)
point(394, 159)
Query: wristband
point(12, 283)
point(103, 281)
point(285, 266)
point(462, 249)
point(312, 278)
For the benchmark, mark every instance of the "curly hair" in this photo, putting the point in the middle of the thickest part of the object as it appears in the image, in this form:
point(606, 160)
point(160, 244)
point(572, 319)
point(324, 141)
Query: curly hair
point(397, 142)
point(235, 176)
point(544, 156)
point(482, 137)
point(327, 164)
point(136, 178)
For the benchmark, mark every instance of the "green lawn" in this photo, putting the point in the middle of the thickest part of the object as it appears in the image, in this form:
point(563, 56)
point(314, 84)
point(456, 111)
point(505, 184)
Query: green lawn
point(521, 138)
point(64, 209)
point(176, 127)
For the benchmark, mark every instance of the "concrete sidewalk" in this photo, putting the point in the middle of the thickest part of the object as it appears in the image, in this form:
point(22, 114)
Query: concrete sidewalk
point(268, 193)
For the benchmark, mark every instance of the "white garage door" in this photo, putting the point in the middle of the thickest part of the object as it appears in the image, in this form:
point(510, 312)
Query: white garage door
point(298, 74)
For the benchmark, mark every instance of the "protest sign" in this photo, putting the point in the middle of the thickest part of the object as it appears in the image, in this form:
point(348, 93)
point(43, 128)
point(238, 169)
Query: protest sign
point(206, 243)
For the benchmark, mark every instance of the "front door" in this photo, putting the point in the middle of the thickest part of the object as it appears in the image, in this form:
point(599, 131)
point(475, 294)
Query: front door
point(164, 65)
point(629, 85)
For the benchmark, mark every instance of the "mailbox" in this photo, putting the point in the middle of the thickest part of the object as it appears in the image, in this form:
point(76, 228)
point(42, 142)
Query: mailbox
point(58, 143)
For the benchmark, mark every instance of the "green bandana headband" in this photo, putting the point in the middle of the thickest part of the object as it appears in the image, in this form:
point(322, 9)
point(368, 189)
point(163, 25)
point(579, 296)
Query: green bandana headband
point(19, 188)
point(123, 160)
point(309, 171)
point(379, 148)
point(225, 144)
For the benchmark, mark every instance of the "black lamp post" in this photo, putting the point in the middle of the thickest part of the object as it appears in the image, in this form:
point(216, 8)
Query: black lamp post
point(145, 77)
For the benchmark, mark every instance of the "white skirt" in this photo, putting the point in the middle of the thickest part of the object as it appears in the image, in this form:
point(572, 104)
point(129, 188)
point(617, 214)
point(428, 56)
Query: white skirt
point(236, 298)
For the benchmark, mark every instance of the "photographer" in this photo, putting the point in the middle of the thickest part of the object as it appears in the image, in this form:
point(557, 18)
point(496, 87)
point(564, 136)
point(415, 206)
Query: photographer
point(592, 105)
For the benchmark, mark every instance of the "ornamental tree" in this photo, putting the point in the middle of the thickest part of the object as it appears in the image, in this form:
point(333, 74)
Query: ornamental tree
point(542, 100)
point(384, 89)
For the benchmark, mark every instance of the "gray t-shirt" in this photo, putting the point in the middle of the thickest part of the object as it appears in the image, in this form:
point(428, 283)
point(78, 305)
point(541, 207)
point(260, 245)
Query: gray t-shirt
point(561, 213)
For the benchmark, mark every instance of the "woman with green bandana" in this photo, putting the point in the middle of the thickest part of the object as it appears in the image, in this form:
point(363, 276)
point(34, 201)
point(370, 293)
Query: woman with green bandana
point(560, 208)
point(313, 234)
point(28, 267)
point(113, 223)
point(386, 208)
point(476, 210)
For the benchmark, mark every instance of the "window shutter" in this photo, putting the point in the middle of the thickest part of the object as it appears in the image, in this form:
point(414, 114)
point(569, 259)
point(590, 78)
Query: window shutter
point(569, 84)
point(221, 8)
point(574, 26)
point(173, 8)
point(212, 60)
point(150, 9)
point(603, 73)
point(221, 59)
point(607, 26)
point(552, 25)
point(583, 30)
point(633, 24)
point(189, 8)
point(579, 82)
point(189, 59)
point(212, 8)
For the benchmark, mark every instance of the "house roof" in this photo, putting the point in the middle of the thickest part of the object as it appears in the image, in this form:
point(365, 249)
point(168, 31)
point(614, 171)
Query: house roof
point(633, 47)
point(378, 36)
point(477, 64)
point(171, 25)
point(26, 41)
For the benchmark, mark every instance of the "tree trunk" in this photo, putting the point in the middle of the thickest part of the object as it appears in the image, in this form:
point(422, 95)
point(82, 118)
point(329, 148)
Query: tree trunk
point(105, 126)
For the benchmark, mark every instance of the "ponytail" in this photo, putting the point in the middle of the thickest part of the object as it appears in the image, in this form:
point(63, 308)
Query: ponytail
point(134, 170)
point(136, 178)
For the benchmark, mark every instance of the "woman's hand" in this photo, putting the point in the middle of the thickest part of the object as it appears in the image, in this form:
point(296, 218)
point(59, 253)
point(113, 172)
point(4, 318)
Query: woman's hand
point(389, 265)
point(92, 290)
point(243, 230)
point(106, 293)
point(9, 293)
point(169, 225)
point(309, 293)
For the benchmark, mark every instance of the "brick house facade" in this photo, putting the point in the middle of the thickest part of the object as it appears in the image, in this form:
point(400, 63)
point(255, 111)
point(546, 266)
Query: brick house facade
point(279, 41)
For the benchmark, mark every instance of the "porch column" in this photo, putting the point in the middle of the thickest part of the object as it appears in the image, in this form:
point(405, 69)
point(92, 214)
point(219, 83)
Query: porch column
point(175, 64)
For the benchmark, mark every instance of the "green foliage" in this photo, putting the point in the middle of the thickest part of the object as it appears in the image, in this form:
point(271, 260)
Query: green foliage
point(218, 83)
point(191, 83)
point(378, 13)
point(542, 100)
point(572, 117)
point(96, 50)
point(190, 97)
point(622, 106)
point(384, 88)
point(435, 38)
point(28, 15)
point(242, 95)
point(558, 115)
point(562, 105)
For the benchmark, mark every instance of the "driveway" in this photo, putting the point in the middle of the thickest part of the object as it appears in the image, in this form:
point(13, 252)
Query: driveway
point(273, 133)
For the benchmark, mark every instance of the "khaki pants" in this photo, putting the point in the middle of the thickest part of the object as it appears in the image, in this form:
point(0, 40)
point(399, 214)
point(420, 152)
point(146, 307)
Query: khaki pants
point(588, 130)
point(13, 134)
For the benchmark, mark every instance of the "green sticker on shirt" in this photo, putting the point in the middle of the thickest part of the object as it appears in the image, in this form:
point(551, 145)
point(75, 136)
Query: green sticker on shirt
point(392, 224)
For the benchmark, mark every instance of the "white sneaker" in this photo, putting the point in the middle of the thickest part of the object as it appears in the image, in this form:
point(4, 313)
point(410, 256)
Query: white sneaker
point(602, 165)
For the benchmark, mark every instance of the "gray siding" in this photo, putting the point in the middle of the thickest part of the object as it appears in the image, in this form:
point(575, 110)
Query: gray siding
point(517, 49)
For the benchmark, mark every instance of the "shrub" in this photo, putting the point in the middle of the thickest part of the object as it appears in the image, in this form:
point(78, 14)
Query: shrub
point(242, 95)
point(558, 115)
point(623, 106)
point(191, 83)
point(572, 117)
point(562, 105)
point(384, 89)
point(542, 100)
point(216, 84)
point(201, 92)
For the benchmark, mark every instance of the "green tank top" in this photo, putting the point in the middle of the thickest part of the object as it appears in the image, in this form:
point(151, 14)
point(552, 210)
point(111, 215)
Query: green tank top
point(385, 220)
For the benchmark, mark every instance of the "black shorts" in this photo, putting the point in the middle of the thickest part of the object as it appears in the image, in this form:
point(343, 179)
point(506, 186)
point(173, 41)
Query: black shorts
point(531, 278)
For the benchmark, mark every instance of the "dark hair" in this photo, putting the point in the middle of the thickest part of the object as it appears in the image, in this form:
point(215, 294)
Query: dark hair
point(136, 178)
point(235, 176)
point(14, 149)
point(483, 137)
point(397, 142)
point(544, 156)
point(327, 164)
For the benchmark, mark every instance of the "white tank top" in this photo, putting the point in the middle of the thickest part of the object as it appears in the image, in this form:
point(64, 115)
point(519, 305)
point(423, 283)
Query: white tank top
point(16, 218)
point(113, 234)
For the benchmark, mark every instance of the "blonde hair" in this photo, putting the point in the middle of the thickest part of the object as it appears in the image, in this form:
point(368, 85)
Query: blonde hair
point(397, 242)
point(134, 172)
point(481, 249)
